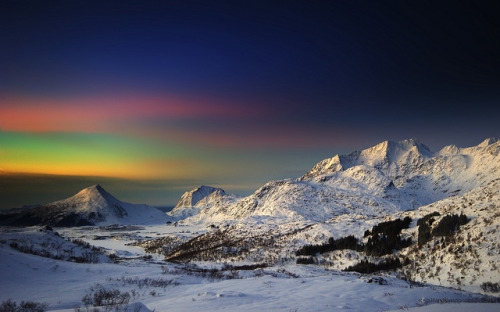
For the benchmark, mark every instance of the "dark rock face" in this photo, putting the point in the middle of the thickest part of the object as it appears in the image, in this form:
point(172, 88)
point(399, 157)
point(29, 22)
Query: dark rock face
point(46, 215)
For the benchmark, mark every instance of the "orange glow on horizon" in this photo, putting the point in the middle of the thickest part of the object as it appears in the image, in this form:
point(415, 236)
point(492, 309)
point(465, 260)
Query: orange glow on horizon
point(167, 170)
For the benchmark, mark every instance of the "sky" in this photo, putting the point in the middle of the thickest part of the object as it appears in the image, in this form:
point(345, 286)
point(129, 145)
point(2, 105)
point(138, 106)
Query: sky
point(154, 98)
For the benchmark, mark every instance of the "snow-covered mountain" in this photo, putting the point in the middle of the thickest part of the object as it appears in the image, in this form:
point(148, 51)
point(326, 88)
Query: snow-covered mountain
point(349, 194)
point(386, 178)
point(193, 201)
point(200, 195)
point(91, 206)
point(392, 158)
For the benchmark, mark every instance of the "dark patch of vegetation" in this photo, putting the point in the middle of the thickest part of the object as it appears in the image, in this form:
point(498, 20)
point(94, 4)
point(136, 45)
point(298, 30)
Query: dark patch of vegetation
point(428, 219)
point(449, 224)
point(162, 245)
point(378, 280)
point(391, 228)
point(29, 249)
point(424, 233)
point(306, 260)
point(490, 287)
point(367, 267)
point(52, 248)
point(147, 282)
point(348, 242)
point(25, 306)
point(486, 299)
point(380, 245)
point(193, 270)
point(221, 244)
point(86, 257)
point(245, 267)
point(109, 299)
point(80, 242)
point(424, 227)
point(385, 237)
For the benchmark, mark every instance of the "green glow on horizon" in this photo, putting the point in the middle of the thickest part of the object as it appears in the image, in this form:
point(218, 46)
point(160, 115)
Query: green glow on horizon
point(90, 154)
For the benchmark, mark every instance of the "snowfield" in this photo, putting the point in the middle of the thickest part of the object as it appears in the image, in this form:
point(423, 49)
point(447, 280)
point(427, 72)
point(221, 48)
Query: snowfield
point(219, 252)
point(62, 285)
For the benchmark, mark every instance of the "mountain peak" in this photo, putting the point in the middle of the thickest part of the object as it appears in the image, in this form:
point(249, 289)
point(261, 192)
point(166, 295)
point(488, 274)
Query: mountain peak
point(391, 151)
point(92, 205)
point(96, 188)
point(205, 187)
point(389, 146)
point(193, 197)
point(380, 156)
point(95, 191)
point(488, 141)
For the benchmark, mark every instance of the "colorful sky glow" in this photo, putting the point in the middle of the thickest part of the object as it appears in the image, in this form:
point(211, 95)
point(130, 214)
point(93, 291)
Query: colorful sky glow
point(153, 98)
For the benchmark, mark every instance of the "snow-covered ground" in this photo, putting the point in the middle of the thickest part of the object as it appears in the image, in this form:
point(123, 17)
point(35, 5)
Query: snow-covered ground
point(455, 307)
point(288, 287)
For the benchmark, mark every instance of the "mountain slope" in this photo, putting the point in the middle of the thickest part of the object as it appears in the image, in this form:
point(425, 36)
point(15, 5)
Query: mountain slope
point(471, 255)
point(386, 178)
point(90, 206)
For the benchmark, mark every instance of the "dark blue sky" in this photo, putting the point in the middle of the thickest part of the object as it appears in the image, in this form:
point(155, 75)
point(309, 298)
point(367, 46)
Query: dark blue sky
point(297, 77)
point(356, 52)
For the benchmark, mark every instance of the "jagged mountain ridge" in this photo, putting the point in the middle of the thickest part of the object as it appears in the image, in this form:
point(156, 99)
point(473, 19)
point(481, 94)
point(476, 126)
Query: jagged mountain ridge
point(386, 178)
point(91, 206)
point(192, 202)
point(392, 158)
point(199, 196)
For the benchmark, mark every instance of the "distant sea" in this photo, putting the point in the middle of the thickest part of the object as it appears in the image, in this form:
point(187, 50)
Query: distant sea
point(165, 208)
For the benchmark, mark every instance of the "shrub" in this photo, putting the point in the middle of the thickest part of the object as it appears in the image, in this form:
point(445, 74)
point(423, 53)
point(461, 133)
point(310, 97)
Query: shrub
point(367, 267)
point(348, 242)
point(147, 282)
point(107, 298)
point(491, 287)
point(385, 237)
point(391, 228)
point(80, 242)
point(424, 233)
point(384, 245)
point(25, 306)
point(244, 267)
point(428, 219)
point(306, 260)
point(449, 224)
